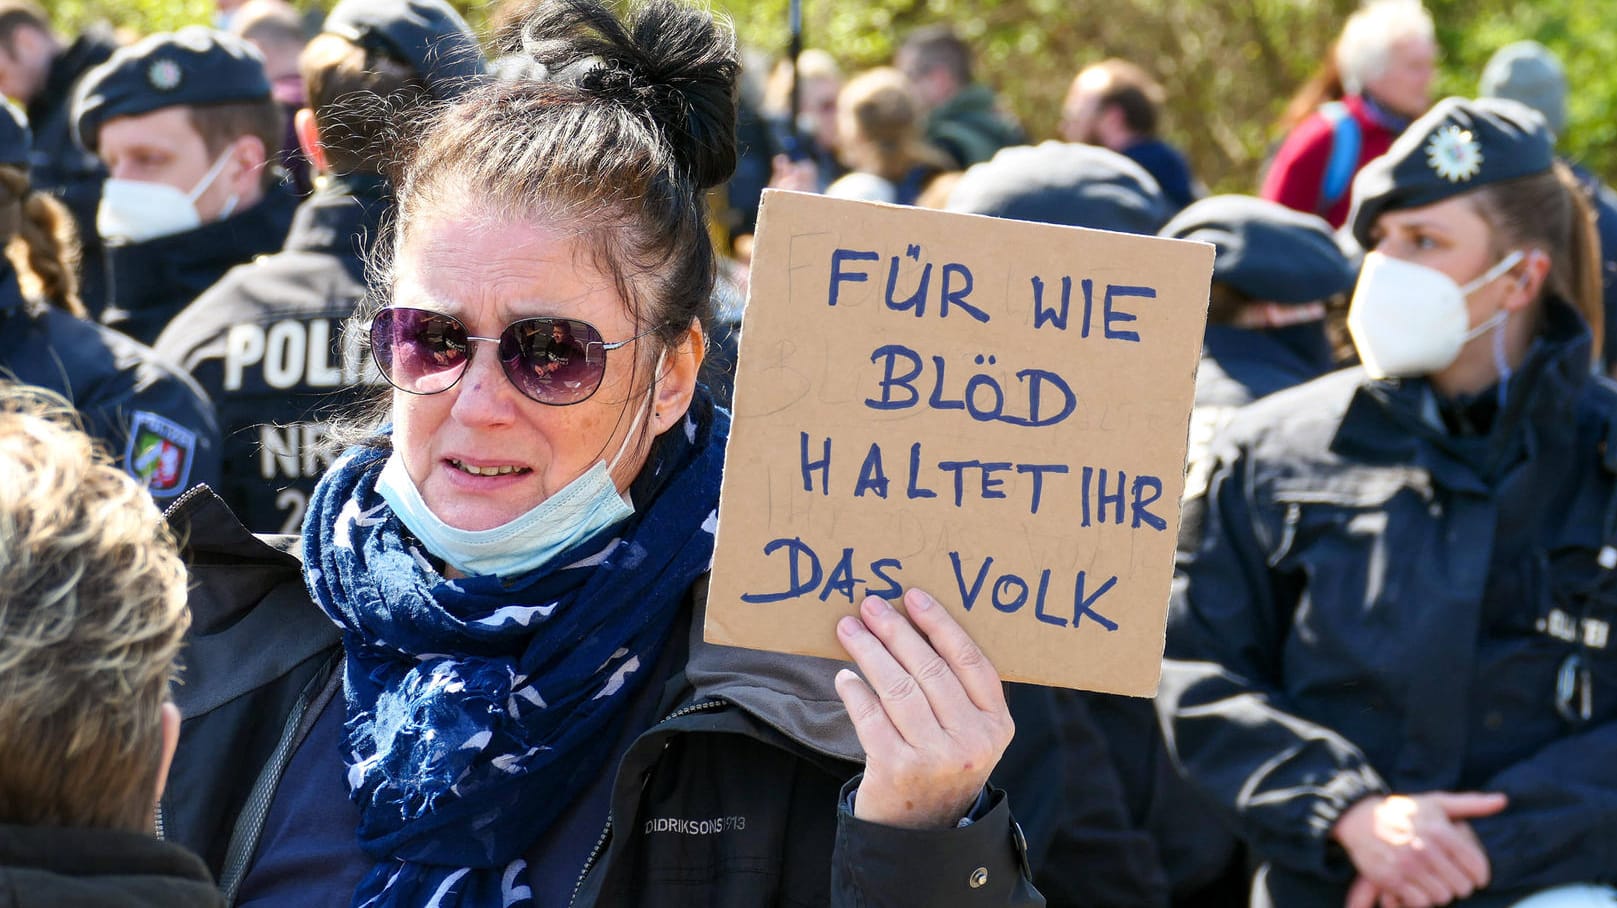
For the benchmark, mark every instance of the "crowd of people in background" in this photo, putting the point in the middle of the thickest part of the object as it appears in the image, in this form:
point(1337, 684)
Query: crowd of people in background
point(260, 257)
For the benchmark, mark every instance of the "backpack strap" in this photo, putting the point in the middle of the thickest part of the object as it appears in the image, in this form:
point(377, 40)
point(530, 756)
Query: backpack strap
point(1346, 141)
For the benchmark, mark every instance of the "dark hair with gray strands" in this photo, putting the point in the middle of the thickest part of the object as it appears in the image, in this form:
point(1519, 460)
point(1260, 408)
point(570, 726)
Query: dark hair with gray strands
point(613, 127)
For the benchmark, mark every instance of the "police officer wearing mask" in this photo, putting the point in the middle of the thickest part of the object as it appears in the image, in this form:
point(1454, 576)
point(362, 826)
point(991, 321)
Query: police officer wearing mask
point(186, 126)
point(1274, 271)
point(1389, 657)
point(268, 341)
point(153, 419)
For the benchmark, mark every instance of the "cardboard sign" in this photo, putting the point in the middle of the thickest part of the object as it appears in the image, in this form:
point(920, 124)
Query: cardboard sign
point(994, 411)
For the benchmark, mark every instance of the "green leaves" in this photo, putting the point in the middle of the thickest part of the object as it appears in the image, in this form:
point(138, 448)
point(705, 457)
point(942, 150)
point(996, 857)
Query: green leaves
point(1228, 65)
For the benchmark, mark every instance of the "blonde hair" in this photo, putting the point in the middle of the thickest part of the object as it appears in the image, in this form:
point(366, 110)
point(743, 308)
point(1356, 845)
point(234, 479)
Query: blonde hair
point(880, 122)
point(38, 235)
point(1552, 211)
point(92, 611)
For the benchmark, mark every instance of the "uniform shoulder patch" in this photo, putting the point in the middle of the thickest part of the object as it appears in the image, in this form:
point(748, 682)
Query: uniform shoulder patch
point(159, 454)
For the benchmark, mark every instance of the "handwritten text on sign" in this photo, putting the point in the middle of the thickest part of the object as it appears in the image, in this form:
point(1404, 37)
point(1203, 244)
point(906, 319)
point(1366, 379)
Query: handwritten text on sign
point(993, 411)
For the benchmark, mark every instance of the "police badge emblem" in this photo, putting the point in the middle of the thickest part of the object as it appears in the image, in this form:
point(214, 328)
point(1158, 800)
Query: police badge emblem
point(164, 74)
point(159, 454)
point(1454, 154)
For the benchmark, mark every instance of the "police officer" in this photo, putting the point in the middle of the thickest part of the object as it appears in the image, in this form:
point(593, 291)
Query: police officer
point(152, 418)
point(270, 342)
point(1274, 271)
point(186, 126)
point(1389, 658)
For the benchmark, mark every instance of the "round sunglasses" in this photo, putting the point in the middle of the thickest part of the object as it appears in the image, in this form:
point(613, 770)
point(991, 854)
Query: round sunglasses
point(555, 361)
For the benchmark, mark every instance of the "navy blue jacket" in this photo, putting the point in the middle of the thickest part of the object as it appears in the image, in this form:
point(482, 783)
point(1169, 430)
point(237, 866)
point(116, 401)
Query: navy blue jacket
point(149, 283)
point(1366, 603)
point(155, 421)
point(1168, 167)
point(60, 166)
point(270, 343)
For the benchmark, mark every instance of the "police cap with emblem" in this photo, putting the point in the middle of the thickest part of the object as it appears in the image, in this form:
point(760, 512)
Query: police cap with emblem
point(427, 35)
point(15, 138)
point(1266, 251)
point(1456, 147)
point(192, 66)
point(1068, 184)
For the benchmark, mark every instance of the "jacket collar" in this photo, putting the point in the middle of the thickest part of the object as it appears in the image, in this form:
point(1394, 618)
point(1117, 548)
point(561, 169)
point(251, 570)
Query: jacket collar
point(343, 217)
point(794, 695)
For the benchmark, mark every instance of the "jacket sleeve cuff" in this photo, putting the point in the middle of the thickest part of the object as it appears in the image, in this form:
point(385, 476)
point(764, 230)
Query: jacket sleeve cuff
point(981, 863)
point(1342, 792)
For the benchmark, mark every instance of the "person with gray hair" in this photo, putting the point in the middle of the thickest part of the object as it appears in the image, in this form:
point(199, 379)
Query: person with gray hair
point(1384, 63)
point(1529, 73)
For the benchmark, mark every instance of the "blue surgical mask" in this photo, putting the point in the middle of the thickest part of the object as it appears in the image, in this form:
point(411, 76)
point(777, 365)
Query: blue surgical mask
point(582, 509)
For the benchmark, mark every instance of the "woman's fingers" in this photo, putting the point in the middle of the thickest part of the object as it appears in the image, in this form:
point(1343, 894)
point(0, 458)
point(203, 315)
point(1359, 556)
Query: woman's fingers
point(870, 722)
point(971, 669)
point(929, 746)
point(901, 695)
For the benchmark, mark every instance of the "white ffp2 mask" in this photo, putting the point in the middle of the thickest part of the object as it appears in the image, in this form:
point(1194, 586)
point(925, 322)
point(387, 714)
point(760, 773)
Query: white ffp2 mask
point(1409, 320)
point(134, 211)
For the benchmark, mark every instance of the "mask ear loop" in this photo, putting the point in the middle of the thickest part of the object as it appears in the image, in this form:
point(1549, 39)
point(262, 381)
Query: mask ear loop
point(1496, 323)
point(639, 413)
point(207, 180)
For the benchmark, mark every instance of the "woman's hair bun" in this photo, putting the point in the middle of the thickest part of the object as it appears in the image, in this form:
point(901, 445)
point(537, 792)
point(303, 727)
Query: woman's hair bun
point(669, 62)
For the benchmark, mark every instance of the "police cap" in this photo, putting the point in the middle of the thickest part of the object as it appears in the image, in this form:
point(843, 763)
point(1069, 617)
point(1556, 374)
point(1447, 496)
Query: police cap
point(192, 66)
point(1265, 250)
point(427, 35)
point(1063, 183)
point(15, 138)
point(1454, 148)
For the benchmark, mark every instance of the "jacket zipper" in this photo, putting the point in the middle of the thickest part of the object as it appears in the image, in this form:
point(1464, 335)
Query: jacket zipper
point(606, 831)
point(174, 507)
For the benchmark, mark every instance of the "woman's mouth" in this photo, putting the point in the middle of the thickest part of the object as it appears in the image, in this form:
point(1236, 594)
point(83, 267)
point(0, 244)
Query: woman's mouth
point(500, 470)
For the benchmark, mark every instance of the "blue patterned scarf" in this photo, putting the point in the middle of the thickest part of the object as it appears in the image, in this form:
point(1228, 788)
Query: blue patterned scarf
point(478, 710)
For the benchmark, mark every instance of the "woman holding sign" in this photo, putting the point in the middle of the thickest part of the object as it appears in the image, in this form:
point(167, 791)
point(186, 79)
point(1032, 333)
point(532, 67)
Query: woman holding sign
point(1389, 644)
point(517, 707)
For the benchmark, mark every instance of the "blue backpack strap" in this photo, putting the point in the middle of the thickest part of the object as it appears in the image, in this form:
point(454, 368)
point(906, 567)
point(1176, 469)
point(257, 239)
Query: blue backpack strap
point(1344, 160)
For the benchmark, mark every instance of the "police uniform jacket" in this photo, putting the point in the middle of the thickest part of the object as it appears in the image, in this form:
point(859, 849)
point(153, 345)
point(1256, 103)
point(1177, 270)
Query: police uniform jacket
point(267, 342)
point(1366, 603)
point(60, 166)
point(149, 283)
point(737, 749)
point(151, 417)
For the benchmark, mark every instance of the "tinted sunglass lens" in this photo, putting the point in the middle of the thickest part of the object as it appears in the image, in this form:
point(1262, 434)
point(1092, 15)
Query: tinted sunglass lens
point(553, 361)
point(419, 351)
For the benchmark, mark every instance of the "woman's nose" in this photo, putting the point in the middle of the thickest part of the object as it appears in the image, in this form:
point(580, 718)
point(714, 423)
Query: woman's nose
point(484, 394)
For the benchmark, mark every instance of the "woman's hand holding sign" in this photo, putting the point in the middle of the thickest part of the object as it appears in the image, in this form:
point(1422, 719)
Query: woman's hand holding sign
point(930, 712)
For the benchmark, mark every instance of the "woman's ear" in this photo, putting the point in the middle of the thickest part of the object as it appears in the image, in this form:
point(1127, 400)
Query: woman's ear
point(1529, 280)
point(677, 383)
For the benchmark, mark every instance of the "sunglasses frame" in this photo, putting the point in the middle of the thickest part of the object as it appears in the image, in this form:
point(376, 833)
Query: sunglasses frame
point(505, 368)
